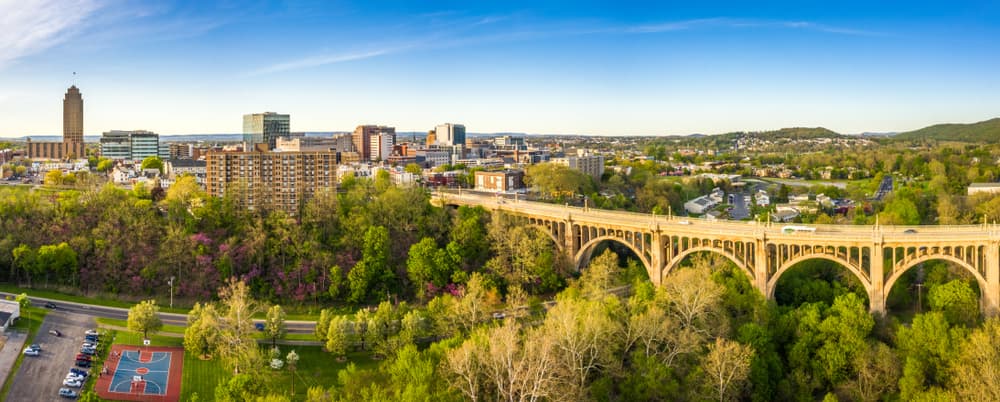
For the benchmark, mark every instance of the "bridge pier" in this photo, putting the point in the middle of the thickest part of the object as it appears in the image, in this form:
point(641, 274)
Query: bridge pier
point(991, 295)
point(876, 274)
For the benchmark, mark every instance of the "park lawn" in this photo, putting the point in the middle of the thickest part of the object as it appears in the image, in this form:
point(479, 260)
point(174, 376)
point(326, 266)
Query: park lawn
point(201, 376)
point(176, 329)
point(31, 319)
point(135, 339)
point(315, 368)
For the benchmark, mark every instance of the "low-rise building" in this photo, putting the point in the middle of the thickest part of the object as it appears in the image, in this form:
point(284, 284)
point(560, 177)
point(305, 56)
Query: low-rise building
point(989, 188)
point(10, 310)
point(700, 205)
point(499, 181)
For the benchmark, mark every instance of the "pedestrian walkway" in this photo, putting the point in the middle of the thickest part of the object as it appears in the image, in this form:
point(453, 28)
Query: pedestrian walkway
point(12, 346)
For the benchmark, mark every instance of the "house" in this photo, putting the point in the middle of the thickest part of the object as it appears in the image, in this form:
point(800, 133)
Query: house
point(784, 215)
point(762, 199)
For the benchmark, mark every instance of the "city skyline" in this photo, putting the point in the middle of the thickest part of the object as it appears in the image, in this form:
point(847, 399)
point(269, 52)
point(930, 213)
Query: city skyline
point(519, 67)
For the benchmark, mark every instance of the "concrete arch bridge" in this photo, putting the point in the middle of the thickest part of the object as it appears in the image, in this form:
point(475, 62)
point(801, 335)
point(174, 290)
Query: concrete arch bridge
point(877, 255)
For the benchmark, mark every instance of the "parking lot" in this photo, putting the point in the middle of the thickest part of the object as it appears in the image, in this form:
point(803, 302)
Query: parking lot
point(40, 377)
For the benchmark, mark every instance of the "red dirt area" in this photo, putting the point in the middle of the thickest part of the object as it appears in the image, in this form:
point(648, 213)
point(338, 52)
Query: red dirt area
point(136, 390)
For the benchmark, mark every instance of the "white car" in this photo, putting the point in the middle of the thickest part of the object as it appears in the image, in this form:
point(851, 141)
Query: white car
point(31, 352)
point(74, 377)
point(72, 383)
point(91, 332)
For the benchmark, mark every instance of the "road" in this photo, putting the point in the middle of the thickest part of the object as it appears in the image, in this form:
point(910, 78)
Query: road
point(884, 188)
point(739, 210)
point(294, 327)
point(40, 377)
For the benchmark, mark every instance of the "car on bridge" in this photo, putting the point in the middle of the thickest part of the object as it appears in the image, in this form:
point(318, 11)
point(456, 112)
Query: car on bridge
point(792, 229)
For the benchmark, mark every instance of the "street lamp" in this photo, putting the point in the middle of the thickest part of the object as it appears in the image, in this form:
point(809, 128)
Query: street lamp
point(171, 283)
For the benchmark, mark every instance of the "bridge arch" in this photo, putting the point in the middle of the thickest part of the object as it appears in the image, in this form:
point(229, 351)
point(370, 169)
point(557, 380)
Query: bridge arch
point(898, 273)
point(772, 282)
point(587, 249)
point(676, 261)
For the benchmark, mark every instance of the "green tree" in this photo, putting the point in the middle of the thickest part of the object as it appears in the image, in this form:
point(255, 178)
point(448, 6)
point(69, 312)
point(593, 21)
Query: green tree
point(336, 282)
point(413, 168)
point(237, 345)
point(202, 332)
point(274, 324)
point(325, 316)
point(293, 361)
point(145, 318)
point(977, 368)
point(556, 181)
point(956, 300)
point(336, 336)
point(105, 165)
point(152, 162)
point(428, 263)
point(926, 347)
point(900, 211)
point(372, 274)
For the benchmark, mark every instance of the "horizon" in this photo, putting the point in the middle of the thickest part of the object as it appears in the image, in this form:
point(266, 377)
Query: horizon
point(546, 69)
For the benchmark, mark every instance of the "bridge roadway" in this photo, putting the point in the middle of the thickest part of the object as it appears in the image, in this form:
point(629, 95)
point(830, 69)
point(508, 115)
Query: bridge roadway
point(878, 255)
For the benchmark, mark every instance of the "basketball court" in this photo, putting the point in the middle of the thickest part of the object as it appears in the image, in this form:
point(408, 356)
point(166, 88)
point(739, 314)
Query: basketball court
point(141, 373)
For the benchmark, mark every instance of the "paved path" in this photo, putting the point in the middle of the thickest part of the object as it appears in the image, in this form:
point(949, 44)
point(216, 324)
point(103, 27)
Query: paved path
point(11, 350)
point(267, 341)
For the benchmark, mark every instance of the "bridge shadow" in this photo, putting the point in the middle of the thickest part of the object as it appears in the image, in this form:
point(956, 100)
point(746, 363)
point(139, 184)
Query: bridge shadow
point(628, 260)
point(909, 295)
point(817, 280)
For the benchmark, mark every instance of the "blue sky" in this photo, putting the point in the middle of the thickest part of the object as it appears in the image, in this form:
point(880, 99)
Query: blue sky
point(603, 67)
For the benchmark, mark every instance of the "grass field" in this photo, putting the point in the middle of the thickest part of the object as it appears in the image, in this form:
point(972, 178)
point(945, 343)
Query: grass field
point(31, 319)
point(296, 313)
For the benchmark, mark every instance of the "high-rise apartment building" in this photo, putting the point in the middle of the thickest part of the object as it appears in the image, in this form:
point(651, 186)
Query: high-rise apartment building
point(449, 135)
point(72, 145)
point(261, 179)
point(381, 146)
point(133, 145)
point(363, 139)
point(583, 161)
point(264, 128)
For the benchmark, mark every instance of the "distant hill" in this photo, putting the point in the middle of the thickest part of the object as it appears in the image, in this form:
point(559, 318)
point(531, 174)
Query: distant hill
point(796, 133)
point(984, 131)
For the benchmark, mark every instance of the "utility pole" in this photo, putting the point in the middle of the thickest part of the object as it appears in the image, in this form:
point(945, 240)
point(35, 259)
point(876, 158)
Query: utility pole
point(171, 283)
point(920, 298)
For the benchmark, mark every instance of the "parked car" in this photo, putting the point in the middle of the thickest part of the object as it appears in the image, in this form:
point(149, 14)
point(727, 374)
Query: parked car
point(83, 363)
point(74, 377)
point(55, 332)
point(31, 352)
point(88, 351)
point(90, 345)
point(82, 373)
point(259, 326)
point(91, 338)
point(50, 305)
point(81, 356)
point(67, 393)
point(90, 332)
point(72, 383)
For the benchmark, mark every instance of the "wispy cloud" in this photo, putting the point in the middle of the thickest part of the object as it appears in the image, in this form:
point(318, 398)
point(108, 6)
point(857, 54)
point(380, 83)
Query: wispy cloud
point(31, 27)
point(722, 22)
point(322, 60)
point(470, 32)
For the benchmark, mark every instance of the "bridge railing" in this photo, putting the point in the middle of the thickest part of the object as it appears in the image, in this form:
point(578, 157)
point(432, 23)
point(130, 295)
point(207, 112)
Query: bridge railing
point(707, 226)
